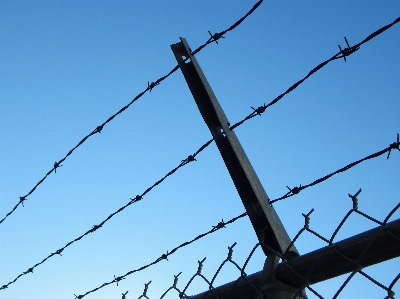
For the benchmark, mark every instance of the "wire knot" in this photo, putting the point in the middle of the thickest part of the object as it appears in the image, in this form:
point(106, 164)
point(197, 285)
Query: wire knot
point(146, 287)
point(165, 256)
point(216, 36)
point(189, 159)
point(307, 219)
point(21, 200)
point(137, 198)
point(200, 265)
point(394, 145)
point(295, 190)
point(4, 287)
point(56, 165)
point(219, 225)
point(259, 110)
point(347, 51)
point(355, 199)
point(78, 297)
point(30, 270)
point(230, 252)
point(98, 129)
point(118, 279)
point(94, 228)
point(151, 85)
point(176, 279)
point(59, 251)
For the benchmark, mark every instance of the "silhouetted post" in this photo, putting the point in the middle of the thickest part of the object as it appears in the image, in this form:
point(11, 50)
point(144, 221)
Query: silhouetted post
point(265, 221)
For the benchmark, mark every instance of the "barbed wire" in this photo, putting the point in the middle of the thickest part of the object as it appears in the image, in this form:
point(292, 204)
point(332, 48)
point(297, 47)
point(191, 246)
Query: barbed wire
point(258, 283)
point(191, 158)
point(296, 190)
point(293, 191)
point(341, 54)
point(164, 256)
point(184, 162)
point(150, 87)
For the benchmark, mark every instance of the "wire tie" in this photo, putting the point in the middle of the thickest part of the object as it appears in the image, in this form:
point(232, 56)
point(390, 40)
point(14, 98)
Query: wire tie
point(349, 50)
point(59, 251)
point(295, 190)
point(394, 145)
point(21, 200)
point(4, 287)
point(78, 297)
point(124, 294)
point(151, 85)
point(260, 109)
point(56, 165)
point(216, 36)
point(30, 270)
point(118, 279)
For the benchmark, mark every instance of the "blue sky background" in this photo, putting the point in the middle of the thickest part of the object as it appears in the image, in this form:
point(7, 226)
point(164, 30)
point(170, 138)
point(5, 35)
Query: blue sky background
point(67, 66)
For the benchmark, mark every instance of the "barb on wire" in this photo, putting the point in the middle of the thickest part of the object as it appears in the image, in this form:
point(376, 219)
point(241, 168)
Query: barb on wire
point(296, 190)
point(340, 54)
point(94, 228)
point(164, 256)
point(191, 158)
point(254, 283)
point(349, 50)
point(216, 36)
point(150, 87)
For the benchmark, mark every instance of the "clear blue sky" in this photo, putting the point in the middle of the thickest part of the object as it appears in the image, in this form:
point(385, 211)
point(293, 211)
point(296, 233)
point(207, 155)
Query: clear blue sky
point(66, 66)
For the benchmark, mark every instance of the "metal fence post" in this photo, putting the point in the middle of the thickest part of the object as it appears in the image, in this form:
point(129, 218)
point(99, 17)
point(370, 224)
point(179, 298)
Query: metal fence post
point(266, 223)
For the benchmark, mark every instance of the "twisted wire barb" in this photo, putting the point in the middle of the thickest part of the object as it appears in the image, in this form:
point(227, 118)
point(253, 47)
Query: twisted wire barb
point(165, 256)
point(150, 87)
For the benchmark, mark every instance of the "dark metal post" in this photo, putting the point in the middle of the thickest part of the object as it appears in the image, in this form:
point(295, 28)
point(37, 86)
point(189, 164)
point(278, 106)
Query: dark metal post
point(265, 221)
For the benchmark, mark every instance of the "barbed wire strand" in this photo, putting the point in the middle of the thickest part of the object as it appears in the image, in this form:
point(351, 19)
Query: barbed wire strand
point(292, 192)
point(222, 225)
point(296, 190)
point(165, 256)
point(150, 86)
point(260, 289)
point(184, 162)
point(341, 54)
